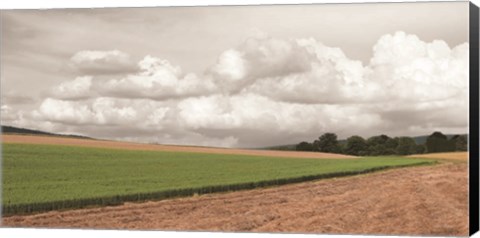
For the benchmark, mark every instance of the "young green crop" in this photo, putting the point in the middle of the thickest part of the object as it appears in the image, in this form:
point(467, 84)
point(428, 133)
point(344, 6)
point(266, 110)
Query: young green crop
point(52, 173)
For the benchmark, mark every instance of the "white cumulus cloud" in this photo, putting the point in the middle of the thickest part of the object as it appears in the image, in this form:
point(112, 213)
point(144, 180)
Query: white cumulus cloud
point(79, 88)
point(158, 79)
point(269, 91)
point(408, 69)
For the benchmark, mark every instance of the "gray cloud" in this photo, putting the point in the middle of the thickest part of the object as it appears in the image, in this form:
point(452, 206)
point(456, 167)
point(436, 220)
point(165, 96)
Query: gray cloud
point(16, 98)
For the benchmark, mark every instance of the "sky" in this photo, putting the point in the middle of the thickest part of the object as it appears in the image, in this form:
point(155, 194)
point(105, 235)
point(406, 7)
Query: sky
point(248, 76)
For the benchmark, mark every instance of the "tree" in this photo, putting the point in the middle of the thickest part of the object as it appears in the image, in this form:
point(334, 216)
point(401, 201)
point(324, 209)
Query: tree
point(391, 145)
point(379, 145)
point(406, 146)
point(420, 149)
point(438, 142)
point(356, 145)
point(381, 139)
point(378, 149)
point(327, 143)
point(304, 146)
point(460, 142)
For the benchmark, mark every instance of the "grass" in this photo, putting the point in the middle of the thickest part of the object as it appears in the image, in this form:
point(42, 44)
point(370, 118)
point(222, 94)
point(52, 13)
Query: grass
point(50, 174)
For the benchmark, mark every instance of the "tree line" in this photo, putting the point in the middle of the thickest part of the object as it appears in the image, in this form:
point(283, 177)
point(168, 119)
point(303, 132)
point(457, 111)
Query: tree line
point(385, 145)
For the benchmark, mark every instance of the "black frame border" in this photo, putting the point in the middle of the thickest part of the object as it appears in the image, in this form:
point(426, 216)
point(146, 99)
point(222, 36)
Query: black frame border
point(474, 168)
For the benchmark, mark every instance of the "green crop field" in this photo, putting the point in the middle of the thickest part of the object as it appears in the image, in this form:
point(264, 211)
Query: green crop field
point(48, 177)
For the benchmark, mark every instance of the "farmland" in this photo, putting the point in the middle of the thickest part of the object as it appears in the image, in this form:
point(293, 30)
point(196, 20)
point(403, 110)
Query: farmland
point(425, 200)
point(39, 177)
point(55, 140)
point(449, 156)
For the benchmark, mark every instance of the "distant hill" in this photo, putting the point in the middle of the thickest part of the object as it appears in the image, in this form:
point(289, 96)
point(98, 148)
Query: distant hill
point(23, 131)
point(280, 147)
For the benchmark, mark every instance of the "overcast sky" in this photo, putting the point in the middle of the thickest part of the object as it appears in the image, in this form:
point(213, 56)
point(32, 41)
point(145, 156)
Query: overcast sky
point(245, 76)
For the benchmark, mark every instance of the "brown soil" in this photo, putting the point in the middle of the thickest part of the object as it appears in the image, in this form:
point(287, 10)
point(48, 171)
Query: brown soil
point(459, 156)
point(30, 139)
point(428, 200)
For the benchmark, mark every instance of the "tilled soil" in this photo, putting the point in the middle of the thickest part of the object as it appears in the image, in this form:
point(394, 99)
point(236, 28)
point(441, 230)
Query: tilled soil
point(54, 140)
point(427, 200)
point(454, 156)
